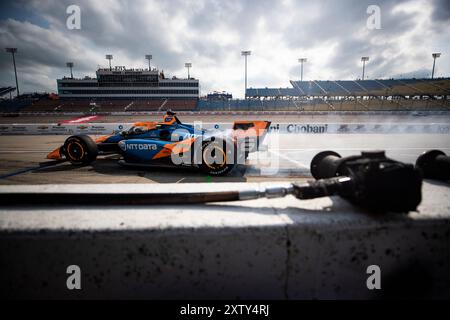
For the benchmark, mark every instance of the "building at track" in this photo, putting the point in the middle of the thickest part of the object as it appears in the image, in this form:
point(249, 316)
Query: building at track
point(122, 83)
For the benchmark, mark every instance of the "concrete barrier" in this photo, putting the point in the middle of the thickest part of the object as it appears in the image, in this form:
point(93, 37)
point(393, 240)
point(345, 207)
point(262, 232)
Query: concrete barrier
point(267, 248)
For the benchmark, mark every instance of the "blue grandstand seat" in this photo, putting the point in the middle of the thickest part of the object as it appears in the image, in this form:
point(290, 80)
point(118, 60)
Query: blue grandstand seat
point(371, 85)
point(308, 88)
point(351, 86)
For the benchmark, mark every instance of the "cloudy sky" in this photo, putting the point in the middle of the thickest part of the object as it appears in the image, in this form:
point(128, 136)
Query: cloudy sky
point(332, 34)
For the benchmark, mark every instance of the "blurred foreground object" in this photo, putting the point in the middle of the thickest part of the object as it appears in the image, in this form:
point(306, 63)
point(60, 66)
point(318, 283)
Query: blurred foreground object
point(375, 182)
point(434, 164)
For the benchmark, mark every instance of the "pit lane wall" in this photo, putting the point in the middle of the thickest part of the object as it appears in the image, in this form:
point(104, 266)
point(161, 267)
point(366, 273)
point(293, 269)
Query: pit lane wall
point(285, 128)
point(258, 249)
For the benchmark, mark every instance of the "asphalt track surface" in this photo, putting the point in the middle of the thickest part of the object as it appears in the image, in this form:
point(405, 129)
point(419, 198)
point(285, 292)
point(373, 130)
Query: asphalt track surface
point(288, 156)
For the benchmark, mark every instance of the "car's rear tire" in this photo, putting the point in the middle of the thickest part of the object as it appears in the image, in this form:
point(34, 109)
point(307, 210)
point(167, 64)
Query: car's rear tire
point(223, 154)
point(80, 150)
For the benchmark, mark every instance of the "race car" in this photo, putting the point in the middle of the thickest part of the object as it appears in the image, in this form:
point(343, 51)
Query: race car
point(170, 143)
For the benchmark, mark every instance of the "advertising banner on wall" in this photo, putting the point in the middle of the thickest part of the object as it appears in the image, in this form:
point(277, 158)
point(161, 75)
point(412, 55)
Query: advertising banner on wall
point(284, 128)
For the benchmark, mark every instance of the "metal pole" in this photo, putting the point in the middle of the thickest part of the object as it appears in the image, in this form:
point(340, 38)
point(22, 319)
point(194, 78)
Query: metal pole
point(301, 60)
point(301, 76)
point(434, 55)
point(245, 77)
point(364, 59)
point(15, 73)
point(245, 54)
point(187, 66)
point(434, 63)
point(71, 73)
point(149, 58)
point(364, 65)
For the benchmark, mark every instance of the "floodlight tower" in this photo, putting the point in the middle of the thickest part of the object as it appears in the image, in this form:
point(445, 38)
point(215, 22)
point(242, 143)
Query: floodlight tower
point(13, 51)
point(188, 65)
point(70, 66)
point(109, 57)
point(149, 57)
point(302, 60)
point(364, 59)
point(434, 55)
point(246, 54)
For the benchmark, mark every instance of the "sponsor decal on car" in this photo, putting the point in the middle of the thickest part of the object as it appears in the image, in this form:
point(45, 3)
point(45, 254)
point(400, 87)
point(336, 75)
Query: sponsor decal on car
point(137, 146)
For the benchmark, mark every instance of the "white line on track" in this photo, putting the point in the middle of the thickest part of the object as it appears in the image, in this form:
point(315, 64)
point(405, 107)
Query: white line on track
point(299, 164)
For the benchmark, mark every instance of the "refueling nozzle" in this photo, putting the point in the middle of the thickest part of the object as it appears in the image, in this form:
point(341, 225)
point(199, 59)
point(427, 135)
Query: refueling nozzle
point(378, 182)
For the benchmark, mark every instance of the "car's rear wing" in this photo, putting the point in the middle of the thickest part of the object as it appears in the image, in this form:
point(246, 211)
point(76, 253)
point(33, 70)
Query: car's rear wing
point(252, 133)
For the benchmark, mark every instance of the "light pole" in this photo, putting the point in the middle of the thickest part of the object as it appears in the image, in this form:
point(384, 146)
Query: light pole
point(245, 54)
point(188, 65)
point(434, 55)
point(302, 60)
point(70, 66)
point(109, 57)
point(364, 59)
point(149, 57)
point(13, 51)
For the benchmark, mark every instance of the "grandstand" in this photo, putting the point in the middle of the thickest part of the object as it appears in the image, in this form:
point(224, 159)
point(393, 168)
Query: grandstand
point(6, 90)
point(392, 94)
point(318, 95)
point(47, 104)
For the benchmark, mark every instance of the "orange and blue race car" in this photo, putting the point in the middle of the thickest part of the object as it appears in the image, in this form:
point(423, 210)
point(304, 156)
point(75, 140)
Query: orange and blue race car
point(170, 143)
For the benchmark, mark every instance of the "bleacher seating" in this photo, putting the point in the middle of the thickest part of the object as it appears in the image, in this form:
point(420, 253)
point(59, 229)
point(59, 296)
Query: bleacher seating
point(163, 104)
point(404, 87)
point(349, 95)
point(14, 105)
point(74, 106)
point(178, 105)
point(146, 105)
point(365, 86)
point(44, 105)
point(332, 86)
point(112, 105)
point(6, 90)
point(308, 88)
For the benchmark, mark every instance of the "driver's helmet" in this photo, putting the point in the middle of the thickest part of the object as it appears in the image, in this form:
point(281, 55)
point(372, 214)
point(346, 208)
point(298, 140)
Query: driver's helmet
point(137, 130)
point(169, 116)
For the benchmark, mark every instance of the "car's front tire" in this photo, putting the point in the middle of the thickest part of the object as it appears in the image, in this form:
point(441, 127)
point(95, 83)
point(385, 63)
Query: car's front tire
point(80, 150)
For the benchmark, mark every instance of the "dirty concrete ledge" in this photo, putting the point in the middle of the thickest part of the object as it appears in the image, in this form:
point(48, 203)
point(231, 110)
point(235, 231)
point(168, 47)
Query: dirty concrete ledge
point(259, 249)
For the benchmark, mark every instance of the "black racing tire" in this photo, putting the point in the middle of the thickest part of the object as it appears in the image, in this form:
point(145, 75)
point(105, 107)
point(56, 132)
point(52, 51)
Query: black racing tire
point(227, 156)
point(80, 150)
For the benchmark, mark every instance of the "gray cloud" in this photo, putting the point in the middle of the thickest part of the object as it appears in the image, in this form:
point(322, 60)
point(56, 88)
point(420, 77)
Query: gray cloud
point(441, 10)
